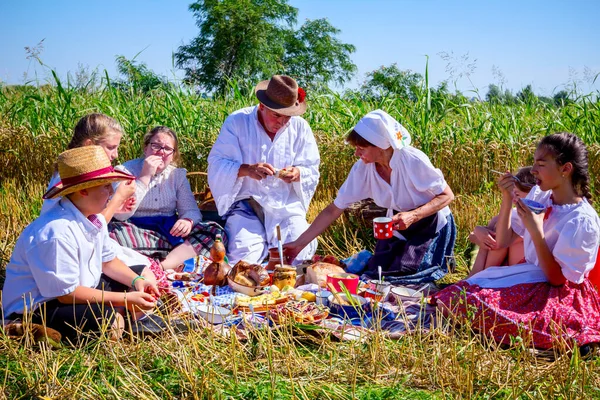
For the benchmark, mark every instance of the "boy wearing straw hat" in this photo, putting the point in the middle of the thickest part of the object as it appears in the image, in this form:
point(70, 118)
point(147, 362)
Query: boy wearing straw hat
point(63, 269)
point(263, 171)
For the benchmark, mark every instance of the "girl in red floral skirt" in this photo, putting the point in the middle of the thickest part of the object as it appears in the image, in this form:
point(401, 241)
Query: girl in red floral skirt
point(548, 300)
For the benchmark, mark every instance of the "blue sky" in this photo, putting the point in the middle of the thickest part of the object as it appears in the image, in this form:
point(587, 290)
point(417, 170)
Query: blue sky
point(543, 43)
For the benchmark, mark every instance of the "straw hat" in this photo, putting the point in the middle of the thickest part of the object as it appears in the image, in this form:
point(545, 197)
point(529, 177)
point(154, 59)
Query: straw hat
point(83, 168)
point(282, 95)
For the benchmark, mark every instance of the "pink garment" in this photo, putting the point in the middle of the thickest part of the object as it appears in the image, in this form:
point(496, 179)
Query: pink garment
point(545, 314)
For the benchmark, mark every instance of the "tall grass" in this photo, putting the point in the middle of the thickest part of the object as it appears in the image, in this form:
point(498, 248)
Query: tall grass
point(463, 138)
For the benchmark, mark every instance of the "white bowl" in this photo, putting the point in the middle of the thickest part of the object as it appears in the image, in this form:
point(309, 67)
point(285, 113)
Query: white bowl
point(402, 293)
point(534, 205)
point(213, 314)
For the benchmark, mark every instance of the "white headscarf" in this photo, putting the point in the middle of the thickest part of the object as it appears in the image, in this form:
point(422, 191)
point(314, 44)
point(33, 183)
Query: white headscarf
point(379, 128)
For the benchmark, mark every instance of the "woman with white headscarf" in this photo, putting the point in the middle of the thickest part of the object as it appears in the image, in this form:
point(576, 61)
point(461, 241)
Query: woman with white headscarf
point(400, 178)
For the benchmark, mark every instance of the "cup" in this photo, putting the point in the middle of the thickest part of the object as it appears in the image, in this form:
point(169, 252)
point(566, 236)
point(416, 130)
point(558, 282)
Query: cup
point(273, 258)
point(373, 294)
point(350, 281)
point(323, 297)
point(382, 287)
point(383, 228)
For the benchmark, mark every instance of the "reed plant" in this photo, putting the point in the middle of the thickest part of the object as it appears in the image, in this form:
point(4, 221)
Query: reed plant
point(464, 138)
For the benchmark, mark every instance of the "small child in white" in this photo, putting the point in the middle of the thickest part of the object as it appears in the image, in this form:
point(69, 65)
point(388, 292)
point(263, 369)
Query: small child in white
point(63, 268)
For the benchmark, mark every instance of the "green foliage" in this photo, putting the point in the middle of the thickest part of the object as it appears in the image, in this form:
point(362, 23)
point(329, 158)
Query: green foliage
point(137, 76)
point(250, 40)
point(316, 57)
point(391, 80)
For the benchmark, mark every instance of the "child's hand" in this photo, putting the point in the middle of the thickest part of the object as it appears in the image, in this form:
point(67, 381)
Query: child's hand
point(125, 190)
point(533, 222)
point(485, 238)
point(142, 285)
point(181, 228)
point(506, 183)
point(140, 300)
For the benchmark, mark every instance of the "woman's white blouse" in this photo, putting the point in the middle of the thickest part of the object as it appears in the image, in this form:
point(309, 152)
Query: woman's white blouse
point(414, 182)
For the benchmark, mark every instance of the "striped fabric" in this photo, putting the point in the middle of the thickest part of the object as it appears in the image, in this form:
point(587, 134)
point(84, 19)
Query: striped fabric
point(154, 245)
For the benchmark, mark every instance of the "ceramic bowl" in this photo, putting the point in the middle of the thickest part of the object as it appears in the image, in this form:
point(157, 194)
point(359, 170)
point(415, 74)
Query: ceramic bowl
point(534, 205)
point(213, 314)
point(349, 312)
point(247, 290)
point(402, 293)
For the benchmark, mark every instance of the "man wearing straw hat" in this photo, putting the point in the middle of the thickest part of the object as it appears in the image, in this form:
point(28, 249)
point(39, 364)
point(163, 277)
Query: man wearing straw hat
point(63, 269)
point(263, 171)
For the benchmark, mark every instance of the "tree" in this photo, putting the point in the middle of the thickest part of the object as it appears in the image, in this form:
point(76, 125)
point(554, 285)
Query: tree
point(494, 94)
point(392, 80)
point(316, 56)
point(561, 98)
point(137, 76)
point(250, 40)
point(526, 95)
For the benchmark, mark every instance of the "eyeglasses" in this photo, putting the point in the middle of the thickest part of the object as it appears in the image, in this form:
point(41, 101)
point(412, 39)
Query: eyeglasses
point(156, 147)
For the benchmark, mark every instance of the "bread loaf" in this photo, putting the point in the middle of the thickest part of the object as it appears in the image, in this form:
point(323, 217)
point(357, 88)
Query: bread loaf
point(317, 273)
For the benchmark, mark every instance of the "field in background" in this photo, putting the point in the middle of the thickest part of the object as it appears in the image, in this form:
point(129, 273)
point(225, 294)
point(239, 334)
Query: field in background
point(465, 139)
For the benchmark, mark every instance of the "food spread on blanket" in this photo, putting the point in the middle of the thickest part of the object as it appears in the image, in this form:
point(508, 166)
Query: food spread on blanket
point(299, 311)
point(184, 276)
point(249, 274)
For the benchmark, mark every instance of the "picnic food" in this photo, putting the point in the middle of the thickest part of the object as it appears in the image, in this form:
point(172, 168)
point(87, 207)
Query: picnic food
point(317, 273)
point(216, 272)
point(255, 274)
point(261, 302)
point(299, 311)
point(284, 276)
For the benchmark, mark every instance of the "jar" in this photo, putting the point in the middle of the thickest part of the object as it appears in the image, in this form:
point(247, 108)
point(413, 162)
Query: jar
point(284, 276)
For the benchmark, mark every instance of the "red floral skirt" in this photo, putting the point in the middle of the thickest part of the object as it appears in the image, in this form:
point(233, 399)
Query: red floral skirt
point(543, 314)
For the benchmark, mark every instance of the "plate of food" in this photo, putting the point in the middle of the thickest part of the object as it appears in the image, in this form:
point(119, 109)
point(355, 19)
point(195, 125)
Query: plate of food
point(299, 311)
point(260, 303)
point(191, 278)
point(249, 279)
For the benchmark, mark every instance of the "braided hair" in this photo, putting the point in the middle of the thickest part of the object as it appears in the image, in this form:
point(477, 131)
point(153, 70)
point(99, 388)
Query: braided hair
point(568, 148)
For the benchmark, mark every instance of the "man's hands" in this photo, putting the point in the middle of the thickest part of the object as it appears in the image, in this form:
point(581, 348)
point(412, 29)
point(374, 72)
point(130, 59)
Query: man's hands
point(181, 228)
point(289, 174)
point(260, 171)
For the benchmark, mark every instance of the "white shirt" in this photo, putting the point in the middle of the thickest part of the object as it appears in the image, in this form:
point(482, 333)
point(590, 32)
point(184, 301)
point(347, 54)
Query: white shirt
point(167, 193)
point(243, 140)
point(129, 256)
point(55, 254)
point(572, 233)
point(413, 182)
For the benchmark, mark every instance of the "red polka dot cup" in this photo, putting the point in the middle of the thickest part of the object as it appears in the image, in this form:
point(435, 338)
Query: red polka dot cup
point(383, 228)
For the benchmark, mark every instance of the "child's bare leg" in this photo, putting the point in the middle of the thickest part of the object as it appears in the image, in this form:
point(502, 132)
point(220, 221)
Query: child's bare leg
point(479, 263)
point(178, 255)
point(516, 252)
point(496, 258)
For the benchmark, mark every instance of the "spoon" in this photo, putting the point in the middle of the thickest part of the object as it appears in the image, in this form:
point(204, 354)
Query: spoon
point(504, 173)
point(379, 270)
point(279, 245)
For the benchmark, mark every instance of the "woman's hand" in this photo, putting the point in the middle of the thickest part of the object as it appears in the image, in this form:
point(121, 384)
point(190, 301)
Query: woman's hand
point(125, 191)
point(181, 228)
point(151, 165)
point(140, 300)
point(534, 223)
point(403, 220)
point(483, 237)
point(143, 285)
point(290, 174)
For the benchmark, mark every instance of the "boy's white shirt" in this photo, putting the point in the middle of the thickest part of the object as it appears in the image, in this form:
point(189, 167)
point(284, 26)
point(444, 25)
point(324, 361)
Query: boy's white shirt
point(55, 254)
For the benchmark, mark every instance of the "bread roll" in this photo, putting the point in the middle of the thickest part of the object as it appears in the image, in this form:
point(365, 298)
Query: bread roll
point(317, 273)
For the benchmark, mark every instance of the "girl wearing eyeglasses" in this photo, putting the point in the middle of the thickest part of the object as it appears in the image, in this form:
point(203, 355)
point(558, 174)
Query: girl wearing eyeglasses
point(165, 221)
point(489, 253)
